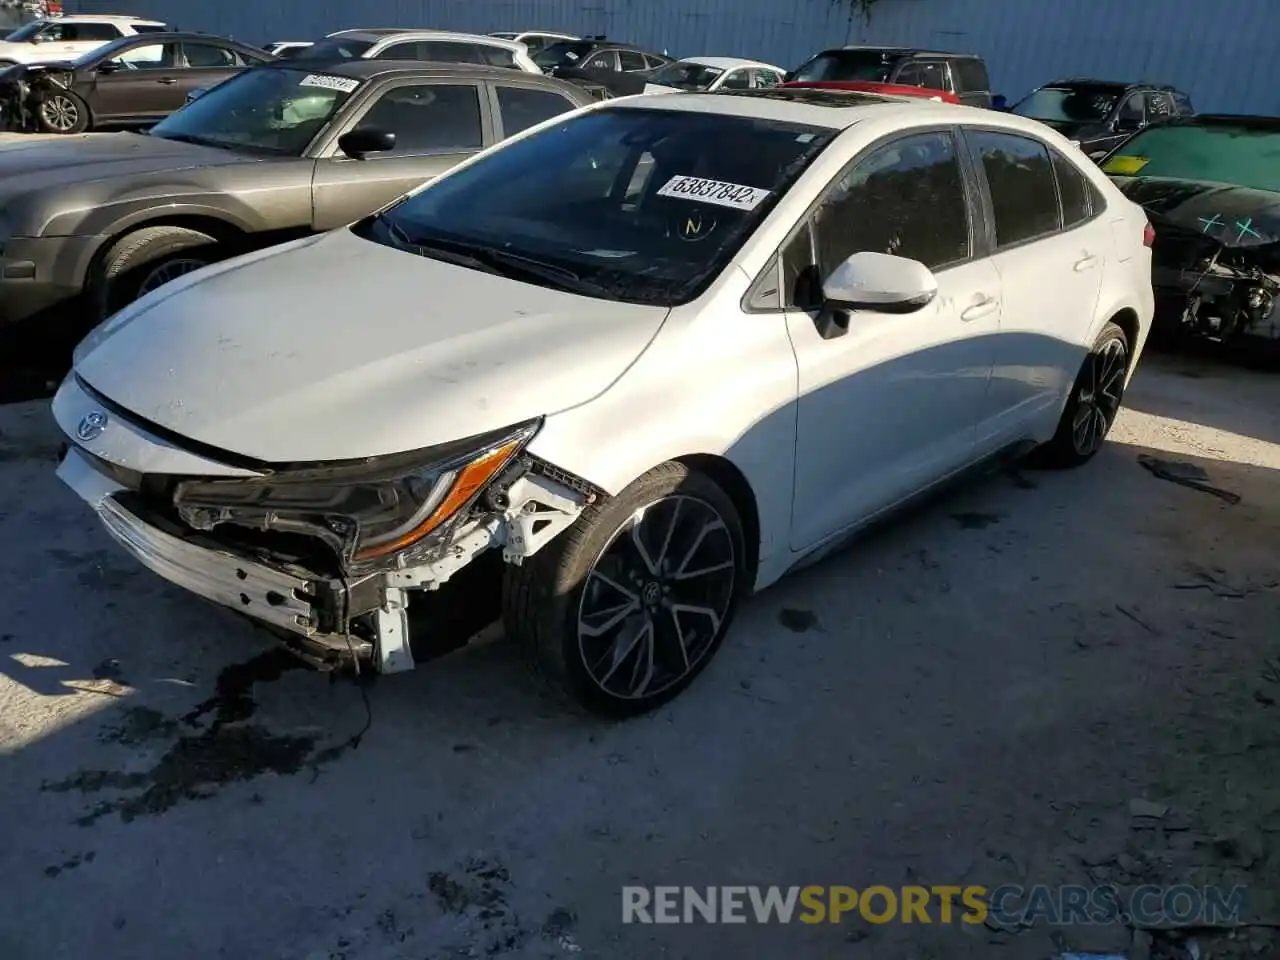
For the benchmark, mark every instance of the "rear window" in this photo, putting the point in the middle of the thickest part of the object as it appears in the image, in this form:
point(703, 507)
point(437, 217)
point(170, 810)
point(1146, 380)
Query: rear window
point(970, 75)
point(867, 65)
point(1210, 153)
point(1183, 103)
point(565, 53)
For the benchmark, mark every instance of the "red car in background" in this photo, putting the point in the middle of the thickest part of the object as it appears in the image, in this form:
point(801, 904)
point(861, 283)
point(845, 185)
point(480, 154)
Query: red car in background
point(868, 86)
point(951, 77)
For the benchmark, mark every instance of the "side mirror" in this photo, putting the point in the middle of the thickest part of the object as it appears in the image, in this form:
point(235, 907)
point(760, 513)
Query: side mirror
point(1128, 125)
point(788, 76)
point(108, 66)
point(878, 282)
point(196, 94)
point(364, 140)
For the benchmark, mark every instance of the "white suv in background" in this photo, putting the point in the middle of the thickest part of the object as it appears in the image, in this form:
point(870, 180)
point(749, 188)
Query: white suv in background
point(440, 46)
point(67, 38)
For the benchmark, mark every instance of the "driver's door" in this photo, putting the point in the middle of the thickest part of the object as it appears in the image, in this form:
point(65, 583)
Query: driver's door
point(891, 405)
point(437, 126)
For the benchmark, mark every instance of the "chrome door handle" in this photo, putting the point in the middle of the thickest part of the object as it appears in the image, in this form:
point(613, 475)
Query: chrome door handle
point(1085, 263)
point(984, 307)
point(167, 81)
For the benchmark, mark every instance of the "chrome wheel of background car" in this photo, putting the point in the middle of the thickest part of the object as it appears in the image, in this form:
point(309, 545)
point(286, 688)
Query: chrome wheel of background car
point(655, 599)
point(1099, 397)
point(169, 270)
point(59, 112)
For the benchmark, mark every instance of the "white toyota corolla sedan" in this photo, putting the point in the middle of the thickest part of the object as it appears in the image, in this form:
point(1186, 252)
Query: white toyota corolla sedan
point(650, 355)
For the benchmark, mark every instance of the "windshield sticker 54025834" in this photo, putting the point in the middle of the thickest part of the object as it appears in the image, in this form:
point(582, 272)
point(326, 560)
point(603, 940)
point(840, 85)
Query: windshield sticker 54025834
point(718, 192)
point(344, 84)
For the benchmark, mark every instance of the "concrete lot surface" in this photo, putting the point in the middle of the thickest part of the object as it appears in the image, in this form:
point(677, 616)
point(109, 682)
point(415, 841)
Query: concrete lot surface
point(974, 694)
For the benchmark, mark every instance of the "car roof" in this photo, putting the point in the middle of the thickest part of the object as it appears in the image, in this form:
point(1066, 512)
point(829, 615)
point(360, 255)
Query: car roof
point(361, 69)
point(727, 63)
point(1116, 84)
point(383, 33)
point(835, 109)
point(102, 18)
point(172, 35)
point(906, 51)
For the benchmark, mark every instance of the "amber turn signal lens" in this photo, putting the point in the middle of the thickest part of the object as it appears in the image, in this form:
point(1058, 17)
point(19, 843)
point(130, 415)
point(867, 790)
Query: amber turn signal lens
point(470, 480)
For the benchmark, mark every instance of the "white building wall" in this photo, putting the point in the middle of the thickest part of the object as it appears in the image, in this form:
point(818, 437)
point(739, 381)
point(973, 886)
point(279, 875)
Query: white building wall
point(1222, 52)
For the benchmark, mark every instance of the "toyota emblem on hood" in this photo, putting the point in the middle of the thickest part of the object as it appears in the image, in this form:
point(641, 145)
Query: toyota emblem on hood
point(91, 425)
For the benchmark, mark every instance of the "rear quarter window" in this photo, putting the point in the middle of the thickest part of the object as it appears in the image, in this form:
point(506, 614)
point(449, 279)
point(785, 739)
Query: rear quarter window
point(970, 75)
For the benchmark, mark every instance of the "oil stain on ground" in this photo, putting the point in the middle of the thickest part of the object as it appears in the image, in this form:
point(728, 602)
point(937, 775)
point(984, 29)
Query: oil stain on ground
point(974, 520)
point(197, 764)
point(797, 620)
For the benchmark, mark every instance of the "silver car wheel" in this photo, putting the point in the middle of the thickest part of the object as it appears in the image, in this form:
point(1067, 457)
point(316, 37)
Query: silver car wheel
point(59, 112)
point(657, 597)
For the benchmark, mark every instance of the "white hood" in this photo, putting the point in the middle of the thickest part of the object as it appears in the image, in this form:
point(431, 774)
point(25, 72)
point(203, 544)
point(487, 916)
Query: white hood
point(336, 347)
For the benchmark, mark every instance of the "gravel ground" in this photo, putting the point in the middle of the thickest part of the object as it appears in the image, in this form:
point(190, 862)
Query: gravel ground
point(973, 694)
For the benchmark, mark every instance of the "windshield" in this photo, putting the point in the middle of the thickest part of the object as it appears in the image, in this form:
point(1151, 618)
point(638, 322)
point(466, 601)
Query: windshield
point(1069, 104)
point(25, 33)
point(565, 52)
point(271, 110)
point(686, 76)
point(870, 65)
point(335, 48)
point(1217, 153)
point(644, 206)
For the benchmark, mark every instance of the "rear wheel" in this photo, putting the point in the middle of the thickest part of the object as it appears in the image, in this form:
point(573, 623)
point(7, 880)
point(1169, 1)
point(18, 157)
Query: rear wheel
point(626, 608)
point(61, 111)
point(145, 260)
point(1094, 403)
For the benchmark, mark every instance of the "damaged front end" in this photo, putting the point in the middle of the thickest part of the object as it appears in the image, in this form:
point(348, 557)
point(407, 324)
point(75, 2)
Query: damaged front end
point(23, 87)
point(329, 555)
point(1216, 258)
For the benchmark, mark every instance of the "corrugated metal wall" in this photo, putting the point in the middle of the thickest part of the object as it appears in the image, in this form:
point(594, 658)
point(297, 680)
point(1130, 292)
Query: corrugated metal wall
point(1221, 51)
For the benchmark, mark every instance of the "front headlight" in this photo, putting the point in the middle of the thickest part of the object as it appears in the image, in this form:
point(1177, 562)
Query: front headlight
point(369, 510)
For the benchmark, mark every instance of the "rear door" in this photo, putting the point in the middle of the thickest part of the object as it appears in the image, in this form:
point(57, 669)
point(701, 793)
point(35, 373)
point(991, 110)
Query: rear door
point(521, 107)
point(1050, 250)
point(437, 125)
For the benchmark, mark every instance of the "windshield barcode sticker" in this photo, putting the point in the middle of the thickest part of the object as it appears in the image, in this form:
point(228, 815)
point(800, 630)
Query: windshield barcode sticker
point(722, 194)
point(344, 84)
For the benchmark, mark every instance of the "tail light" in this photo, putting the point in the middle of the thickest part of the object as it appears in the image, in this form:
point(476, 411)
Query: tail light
point(1148, 235)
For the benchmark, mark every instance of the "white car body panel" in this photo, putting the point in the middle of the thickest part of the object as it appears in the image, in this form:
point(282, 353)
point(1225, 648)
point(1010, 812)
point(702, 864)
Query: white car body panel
point(259, 372)
point(519, 52)
point(728, 64)
point(55, 52)
point(336, 348)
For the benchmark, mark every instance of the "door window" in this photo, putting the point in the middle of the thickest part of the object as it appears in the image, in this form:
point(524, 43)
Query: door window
point(737, 80)
point(151, 56)
point(766, 78)
point(911, 75)
point(443, 52)
point(1073, 190)
point(407, 50)
point(970, 75)
point(429, 118)
point(1132, 112)
point(933, 75)
point(207, 55)
point(601, 61)
point(496, 56)
point(632, 60)
point(89, 33)
point(654, 62)
point(1023, 191)
point(905, 198)
point(1159, 105)
point(1184, 103)
point(522, 107)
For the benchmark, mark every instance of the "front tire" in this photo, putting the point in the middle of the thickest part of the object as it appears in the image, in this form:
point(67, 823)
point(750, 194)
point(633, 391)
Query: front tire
point(1094, 403)
point(627, 607)
point(146, 259)
point(62, 112)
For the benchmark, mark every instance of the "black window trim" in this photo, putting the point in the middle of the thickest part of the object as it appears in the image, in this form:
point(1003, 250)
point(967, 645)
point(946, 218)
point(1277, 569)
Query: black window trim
point(988, 212)
point(978, 243)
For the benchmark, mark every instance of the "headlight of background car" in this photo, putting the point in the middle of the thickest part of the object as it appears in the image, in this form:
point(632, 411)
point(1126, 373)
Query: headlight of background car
point(371, 510)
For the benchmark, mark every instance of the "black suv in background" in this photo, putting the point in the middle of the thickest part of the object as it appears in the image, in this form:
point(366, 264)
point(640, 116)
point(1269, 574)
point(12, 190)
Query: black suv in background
point(963, 74)
point(1102, 113)
point(620, 68)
